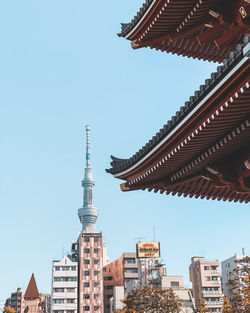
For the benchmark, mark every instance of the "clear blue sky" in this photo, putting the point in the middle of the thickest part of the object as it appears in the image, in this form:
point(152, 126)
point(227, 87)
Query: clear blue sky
point(62, 66)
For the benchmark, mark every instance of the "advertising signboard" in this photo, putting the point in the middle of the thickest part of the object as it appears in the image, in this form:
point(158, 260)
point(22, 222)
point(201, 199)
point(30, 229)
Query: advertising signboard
point(148, 249)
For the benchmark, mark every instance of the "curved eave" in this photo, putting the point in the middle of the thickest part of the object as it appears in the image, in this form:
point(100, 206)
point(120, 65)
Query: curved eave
point(128, 167)
point(199, 29)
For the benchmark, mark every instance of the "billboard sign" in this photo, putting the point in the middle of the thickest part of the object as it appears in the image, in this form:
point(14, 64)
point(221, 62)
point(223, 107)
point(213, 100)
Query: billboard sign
point(148, 249)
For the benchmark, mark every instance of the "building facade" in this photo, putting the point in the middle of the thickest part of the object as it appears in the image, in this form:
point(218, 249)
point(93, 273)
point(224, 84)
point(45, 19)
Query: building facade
point(206, 283)
point(227, 268)
point(17, 300)
point(64, 285)
point(122, 272)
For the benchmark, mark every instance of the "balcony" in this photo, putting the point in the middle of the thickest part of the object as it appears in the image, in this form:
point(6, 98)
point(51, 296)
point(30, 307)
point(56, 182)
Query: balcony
point(211, 303)
point(216, 282)
point(211, 292)
point(215, 272)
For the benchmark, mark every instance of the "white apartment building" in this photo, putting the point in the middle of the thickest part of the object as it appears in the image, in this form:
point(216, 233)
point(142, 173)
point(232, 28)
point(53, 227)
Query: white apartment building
point(227, 268)
point(64, 286)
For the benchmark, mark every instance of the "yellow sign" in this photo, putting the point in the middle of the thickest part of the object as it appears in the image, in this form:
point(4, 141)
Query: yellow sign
point(148, 249)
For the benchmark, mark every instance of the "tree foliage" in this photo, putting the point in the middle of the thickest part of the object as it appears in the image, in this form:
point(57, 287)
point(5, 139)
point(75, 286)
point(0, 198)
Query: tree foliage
point(239, 286)
point(203, 307)
point(8, 309)
point(227, 307)
point(152, 300)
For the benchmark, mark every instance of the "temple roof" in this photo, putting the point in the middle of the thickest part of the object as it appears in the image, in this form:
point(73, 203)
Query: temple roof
point(31, 291)
point(212, 125)
point(203, 29)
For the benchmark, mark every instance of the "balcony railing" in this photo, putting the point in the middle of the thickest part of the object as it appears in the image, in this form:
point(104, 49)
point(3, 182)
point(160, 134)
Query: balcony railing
point(216, 282)
point(211, 292)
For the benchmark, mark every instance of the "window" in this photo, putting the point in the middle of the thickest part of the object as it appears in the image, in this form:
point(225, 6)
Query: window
point(96, 307)
point(86, 296)
point(108, 287)
point(96, 239)
point(86, 261)
point(65, 268)
point(207, 278)
point(130, 270)
point(57, 268)
point(108, 278)
point(58, 301)
point(96, 250)
point(73, 268)
point(96, 295)
point(175, 284)
point(86, 308)
point(104, 269)
point(206, 268)
point(96, 284)
point(70, 289)
point(96, 261)
point(72, 278)
point(107, 306)
point(86, 285)
point(86, 239)
point(58, 289)
point(70, 301)
point(86, 250)
point(86, 273)
point(57, 279)
point(214, 278)
point(130, 261)
point(213, 268)
point(109, 296)
point(96, 273)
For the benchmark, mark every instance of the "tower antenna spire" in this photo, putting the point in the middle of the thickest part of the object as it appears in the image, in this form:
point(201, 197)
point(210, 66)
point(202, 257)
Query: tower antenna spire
point(87, 146)
point(88, 213)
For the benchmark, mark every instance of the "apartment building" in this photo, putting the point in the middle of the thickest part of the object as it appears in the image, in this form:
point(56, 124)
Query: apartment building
point(227, 268)
point(17, 300)
point(206, 283)
point(122, 272)
point(64, 285)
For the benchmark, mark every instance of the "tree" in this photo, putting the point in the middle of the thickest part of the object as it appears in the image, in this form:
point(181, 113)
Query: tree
point(203, 307)
point(239, 286)
point(152, 300)
point(8, 309)
point(227, 307)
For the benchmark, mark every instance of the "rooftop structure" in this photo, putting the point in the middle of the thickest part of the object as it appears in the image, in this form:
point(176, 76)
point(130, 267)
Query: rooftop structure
point(31, 291)
point(88, 213)
point(203, 151)
point(203, 29)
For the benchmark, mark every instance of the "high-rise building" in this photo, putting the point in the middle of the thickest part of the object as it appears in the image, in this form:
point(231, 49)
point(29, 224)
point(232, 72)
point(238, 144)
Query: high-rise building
point(227, 268)
point(90, 250)
point(206, 283)
point(64, 285)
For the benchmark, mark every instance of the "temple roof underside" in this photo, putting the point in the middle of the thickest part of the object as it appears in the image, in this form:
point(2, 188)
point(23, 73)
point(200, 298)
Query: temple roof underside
point(204, 150)
point(203, 29)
